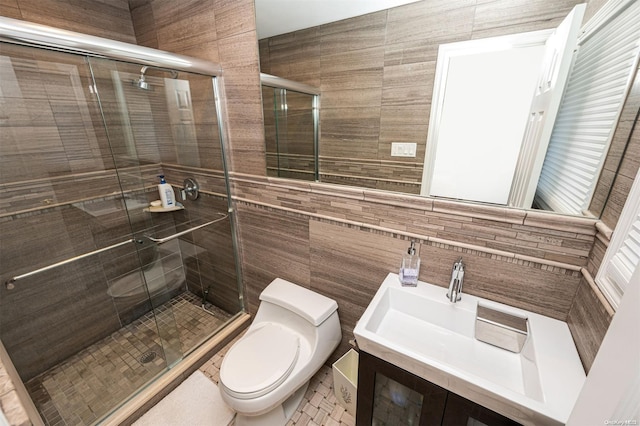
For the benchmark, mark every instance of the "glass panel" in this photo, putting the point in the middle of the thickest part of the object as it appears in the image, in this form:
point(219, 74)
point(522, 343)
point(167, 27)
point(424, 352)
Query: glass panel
point(168, 126)
point(71, 344)
point(270, 133)
point(394, 403)
point(81, 148)
point(289, 133)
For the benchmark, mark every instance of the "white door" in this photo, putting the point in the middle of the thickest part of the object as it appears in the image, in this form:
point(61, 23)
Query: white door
point(474, 139)
point(544, 107)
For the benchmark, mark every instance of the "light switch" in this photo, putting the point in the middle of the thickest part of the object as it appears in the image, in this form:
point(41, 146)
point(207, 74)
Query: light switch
point(403, 149)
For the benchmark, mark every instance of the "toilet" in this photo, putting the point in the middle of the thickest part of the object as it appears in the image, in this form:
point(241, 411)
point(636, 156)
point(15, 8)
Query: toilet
point(265, 374)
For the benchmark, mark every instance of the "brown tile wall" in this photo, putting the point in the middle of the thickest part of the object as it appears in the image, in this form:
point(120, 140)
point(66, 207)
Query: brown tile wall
point(40, 324)
point(499, 230)
point(343, 241)
point(32, 314)
point(376, 75)
point(590, 313)
point(221, 31)
point(588, 320)
point(106, 18)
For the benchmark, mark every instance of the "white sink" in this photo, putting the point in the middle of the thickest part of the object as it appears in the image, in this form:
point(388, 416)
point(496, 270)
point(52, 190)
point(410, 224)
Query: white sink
point(419, 330)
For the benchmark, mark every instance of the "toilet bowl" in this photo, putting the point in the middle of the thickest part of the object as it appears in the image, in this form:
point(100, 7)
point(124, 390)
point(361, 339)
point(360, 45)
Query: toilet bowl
point(265, 374)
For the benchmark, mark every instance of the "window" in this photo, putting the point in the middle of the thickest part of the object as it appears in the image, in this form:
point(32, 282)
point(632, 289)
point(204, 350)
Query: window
point(623, 255)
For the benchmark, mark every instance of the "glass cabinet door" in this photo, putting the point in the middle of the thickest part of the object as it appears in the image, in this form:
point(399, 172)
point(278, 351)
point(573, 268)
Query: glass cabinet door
point(461, 411)
point(395, 404)
point(388, 395)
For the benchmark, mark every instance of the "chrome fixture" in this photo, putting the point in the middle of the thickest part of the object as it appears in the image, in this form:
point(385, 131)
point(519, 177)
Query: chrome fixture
point(143, 84)
point(455, 286)
point(190, 189)
point(10, 283)
point(180, 234)
point(505, 330)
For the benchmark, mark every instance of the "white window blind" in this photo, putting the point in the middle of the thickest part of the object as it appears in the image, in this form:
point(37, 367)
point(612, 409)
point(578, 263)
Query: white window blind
point(604, 65)
point(627, 258)
point(623, 254)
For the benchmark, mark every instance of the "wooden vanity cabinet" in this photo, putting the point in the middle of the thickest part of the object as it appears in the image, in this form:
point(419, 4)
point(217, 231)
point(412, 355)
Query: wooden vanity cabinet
point(389, 395)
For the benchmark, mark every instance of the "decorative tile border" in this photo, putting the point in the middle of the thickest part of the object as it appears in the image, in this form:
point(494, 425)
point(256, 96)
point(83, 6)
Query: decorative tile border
point(541, 238)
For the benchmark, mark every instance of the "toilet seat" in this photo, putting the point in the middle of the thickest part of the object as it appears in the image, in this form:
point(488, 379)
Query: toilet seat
point(259, 362)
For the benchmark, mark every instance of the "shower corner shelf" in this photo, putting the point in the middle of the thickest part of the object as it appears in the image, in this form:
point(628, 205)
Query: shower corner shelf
point(160, 209)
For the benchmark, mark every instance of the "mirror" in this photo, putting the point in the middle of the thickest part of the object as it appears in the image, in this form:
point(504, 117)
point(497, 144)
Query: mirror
point(376, 76)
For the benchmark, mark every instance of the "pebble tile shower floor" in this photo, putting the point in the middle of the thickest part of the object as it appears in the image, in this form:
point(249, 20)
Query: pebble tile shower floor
point(86, 386)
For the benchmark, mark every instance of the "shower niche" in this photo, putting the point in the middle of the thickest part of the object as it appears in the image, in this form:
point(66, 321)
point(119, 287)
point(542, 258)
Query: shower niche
point(99, 295)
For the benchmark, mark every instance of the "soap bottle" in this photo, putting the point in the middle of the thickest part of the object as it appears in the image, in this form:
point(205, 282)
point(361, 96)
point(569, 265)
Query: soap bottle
point(410, 267)
point(167, 196)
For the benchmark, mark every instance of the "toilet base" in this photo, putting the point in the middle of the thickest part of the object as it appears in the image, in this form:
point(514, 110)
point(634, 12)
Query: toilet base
point(279, 416)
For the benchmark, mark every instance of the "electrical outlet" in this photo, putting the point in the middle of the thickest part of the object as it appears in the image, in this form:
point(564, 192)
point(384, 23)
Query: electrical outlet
point(403, 149)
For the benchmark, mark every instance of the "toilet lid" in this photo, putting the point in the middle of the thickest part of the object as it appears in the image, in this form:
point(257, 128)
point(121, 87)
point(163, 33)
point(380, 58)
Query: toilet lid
point(259, 362)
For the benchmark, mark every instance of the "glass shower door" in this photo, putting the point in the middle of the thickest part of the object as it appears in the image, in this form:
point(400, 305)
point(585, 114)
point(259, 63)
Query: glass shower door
point(291, 133)
point(164, 123)
point(66, 234)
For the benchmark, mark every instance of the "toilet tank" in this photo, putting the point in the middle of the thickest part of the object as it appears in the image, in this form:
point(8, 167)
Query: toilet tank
point(307, 304)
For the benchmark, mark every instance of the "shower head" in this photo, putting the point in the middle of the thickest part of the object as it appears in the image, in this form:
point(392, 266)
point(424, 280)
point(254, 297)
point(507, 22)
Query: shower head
point(141, 83)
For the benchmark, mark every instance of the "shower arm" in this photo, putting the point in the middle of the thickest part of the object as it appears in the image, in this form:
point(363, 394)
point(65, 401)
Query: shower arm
point(10, 283)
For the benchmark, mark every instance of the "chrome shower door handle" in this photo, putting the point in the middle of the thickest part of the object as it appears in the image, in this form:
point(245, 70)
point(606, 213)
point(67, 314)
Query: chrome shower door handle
point(186, 231)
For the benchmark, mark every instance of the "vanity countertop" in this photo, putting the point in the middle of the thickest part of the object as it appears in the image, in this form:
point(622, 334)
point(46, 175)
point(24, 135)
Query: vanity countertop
point(420, 331)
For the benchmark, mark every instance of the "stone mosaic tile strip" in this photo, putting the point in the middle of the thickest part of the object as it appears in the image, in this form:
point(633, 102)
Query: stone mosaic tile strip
point(88, 385)
point(550, 238)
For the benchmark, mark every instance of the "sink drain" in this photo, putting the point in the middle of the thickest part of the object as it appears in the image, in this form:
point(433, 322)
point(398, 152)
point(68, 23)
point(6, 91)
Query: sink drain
point(147, 357)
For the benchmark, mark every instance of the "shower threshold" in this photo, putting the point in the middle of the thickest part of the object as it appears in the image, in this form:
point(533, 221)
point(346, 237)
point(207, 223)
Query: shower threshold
point(83, 388)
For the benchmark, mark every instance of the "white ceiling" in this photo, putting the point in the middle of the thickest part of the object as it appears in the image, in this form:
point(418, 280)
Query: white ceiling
point(274, 17)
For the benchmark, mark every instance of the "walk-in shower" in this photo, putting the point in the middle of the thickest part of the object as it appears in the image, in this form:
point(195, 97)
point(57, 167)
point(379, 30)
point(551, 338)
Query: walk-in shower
point(291, 112)
point(103, 294)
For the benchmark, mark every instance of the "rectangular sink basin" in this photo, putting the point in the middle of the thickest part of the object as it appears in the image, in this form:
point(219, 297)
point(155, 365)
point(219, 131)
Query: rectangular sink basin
point(419, 330)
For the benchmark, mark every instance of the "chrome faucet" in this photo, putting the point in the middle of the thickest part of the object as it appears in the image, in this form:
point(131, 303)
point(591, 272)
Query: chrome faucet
point(455, 286)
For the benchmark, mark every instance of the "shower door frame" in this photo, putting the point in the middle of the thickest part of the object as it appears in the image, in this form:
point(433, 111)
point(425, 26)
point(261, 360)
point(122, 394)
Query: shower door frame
point(274, 82)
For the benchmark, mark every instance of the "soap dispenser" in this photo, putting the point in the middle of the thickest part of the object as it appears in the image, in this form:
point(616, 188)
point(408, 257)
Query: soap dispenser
point(410, 267)
point(167, 196)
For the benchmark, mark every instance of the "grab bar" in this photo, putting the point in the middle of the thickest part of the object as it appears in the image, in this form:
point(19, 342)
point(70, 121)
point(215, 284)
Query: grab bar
point(10, 283)
point(179, 234)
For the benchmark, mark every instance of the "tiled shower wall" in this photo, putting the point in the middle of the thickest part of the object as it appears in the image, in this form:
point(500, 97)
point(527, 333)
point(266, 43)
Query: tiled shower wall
point(61, 198)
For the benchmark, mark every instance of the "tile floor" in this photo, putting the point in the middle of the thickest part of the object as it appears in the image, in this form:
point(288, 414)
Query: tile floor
point(86, 386)
point(319, 406)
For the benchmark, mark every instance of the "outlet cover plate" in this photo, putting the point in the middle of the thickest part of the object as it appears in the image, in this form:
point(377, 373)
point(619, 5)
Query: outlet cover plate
point(403, 149)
